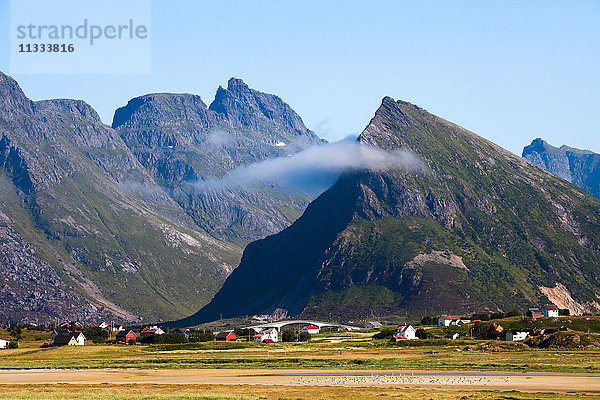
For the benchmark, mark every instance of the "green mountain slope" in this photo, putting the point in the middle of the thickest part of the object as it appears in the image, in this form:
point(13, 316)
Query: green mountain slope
point(477, 229)
point(77, 202)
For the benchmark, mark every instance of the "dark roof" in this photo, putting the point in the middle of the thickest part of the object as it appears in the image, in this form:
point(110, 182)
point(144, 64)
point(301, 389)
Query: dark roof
point(224, 334)
point(551, 307)
point(64, 338)
point(451, 335)
point(124, 333)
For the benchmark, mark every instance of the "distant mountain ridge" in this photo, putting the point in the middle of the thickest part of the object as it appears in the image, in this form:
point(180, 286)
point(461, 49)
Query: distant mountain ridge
point(580, 167)
point(479, 229)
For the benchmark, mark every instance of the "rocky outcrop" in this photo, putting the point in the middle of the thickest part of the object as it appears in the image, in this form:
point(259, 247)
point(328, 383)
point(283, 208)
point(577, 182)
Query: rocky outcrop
point(580, 167)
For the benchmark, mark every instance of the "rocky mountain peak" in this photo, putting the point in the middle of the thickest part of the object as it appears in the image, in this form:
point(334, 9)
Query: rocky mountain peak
point(12, 99)
point(580, 167)
point(74, 108)
point(159, 109)
point(248, 107)
point(237, 85)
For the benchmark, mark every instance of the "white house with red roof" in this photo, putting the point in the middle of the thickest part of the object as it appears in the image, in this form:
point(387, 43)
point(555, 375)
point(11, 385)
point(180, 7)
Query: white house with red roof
point(447, 320)
point(405, 332)
point(310, 329)
point(266, 336)
point(549, 310)
point(152, 330)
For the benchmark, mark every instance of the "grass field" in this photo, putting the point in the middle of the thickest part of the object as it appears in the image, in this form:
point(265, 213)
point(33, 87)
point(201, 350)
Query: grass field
point(231, 392)
point(437, 355)
point(340, 351)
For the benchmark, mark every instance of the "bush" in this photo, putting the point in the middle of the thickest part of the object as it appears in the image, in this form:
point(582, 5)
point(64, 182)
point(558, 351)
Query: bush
point(201, 336)
point(564, 311)
point(131, 341)
point(422, 334)
point(513, 313)
point(166, 338)
point(95, 334)
point(480, 330)
point(304, 337)
point(385, 333)
point(13, 344)
point(288, 336)
point(427, 320)
point(498, 315)
point(244, 333)
point(481, 316)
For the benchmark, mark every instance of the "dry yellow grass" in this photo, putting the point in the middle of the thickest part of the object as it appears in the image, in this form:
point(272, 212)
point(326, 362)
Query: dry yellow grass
point(223, 392)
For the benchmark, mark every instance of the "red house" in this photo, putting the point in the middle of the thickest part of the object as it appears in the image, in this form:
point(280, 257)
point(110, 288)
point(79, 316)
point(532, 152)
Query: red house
point(226, 336)
point(534, 313)
point(125, 337)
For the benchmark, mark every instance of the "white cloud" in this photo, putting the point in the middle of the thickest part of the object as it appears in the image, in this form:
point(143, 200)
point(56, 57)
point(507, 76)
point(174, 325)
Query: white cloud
point(316, 167)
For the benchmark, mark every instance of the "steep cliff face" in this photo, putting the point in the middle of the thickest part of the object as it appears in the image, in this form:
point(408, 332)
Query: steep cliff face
point(85, 228)
point(580, 167)
point(182, 143)
point(475, 229)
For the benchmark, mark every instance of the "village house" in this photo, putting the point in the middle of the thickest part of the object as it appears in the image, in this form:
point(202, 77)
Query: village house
point(226, 336)
point(405, 332)
point(151, 330)
point(56, 332)
point(549, 310)
point(266, 336)
point(452, 336)
point(371, 325)
point(69, 339)
point(447, 320)
point(495, 328)
point(513, 335)
point(126, 337)
point(534, 313)
point(4, 343)
point(312, 329)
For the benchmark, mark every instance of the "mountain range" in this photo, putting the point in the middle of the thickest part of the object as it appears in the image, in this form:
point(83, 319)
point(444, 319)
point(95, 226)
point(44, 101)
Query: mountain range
point(580, 167)
point(100, 222)
point(139, 221)
point(475, 229)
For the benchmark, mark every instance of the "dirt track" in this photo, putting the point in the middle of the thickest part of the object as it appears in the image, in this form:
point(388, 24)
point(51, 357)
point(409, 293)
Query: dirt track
point(558, 383)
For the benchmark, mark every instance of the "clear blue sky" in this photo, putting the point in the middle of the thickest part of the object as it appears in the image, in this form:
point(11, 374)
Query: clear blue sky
point(509, 71)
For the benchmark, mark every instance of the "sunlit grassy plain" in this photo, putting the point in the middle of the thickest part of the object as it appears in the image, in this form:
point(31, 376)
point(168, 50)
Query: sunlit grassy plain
point(428, 355)
point(354, 351)
point(254, 392)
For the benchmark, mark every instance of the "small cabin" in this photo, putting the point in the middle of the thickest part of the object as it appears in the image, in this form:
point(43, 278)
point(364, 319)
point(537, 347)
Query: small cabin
point(534, 313)
point(452, 336)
